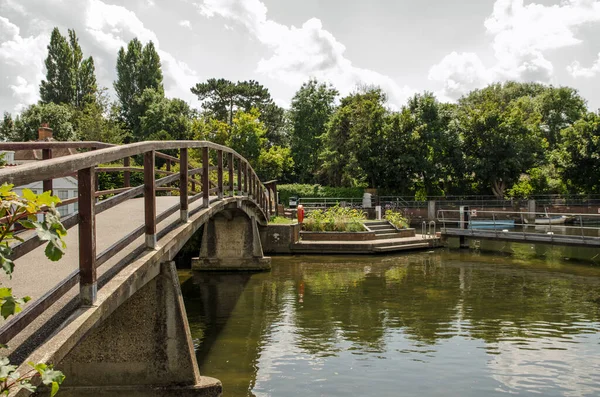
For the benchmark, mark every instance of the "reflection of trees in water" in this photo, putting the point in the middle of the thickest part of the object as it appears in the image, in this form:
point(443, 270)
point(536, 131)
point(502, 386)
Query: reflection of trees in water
point(333, 301)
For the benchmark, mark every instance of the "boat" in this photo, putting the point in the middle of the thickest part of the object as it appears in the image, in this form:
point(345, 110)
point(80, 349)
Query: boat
point(491, 224)
point(549, 220)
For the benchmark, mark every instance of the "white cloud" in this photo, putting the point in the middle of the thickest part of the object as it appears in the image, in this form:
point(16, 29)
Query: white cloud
point(185, 23)
point(522, 34)
point(102, 29)
point(298, 53)
point(21, 63)
point(576, 70)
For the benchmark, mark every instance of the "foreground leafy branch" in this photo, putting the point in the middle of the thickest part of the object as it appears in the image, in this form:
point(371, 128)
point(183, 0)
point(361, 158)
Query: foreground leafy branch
point(22, 212)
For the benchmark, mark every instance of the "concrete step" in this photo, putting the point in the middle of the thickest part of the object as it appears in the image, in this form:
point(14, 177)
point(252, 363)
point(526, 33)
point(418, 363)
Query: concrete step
point(400, 247)
point(385, 231)
point(385, 236)
point(379, 227)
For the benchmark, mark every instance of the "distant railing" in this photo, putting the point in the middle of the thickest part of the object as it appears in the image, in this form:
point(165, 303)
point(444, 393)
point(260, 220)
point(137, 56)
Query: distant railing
point(202, 183)
point(522, 225)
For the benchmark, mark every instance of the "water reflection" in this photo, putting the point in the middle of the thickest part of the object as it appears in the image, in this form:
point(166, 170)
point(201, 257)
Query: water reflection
point(445, 323)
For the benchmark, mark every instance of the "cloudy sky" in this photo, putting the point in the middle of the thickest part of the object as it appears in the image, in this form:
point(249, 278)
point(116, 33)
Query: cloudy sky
point(405, 46)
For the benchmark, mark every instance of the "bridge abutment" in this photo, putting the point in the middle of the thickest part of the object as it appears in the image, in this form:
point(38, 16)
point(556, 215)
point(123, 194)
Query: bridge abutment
point(231, 242)
point(144, 348)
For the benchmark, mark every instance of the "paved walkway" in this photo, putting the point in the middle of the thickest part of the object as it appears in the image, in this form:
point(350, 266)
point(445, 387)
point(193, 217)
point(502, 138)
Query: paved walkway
point(35, 274)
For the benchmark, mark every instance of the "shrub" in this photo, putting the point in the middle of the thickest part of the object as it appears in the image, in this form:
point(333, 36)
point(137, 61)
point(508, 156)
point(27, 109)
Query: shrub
point(335, 219)
point(396, 218)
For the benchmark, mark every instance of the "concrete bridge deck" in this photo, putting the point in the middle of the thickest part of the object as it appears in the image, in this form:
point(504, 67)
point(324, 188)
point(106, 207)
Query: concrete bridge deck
point(35, 274)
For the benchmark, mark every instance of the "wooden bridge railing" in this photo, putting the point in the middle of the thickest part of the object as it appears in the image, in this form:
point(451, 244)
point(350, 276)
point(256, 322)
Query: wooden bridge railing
point(86, 165)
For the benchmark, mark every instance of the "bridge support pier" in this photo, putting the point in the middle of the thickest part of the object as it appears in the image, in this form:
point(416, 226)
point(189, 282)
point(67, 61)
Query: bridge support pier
point(231, 242)
point(144, 348)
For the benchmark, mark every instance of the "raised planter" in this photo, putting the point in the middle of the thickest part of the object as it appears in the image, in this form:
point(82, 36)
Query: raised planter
point(337, 236)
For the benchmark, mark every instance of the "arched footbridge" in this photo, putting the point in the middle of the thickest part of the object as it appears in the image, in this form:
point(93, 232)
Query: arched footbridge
point(109, 314)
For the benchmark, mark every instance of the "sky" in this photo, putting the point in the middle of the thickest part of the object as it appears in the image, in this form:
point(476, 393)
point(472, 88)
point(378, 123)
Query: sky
point(448, 47)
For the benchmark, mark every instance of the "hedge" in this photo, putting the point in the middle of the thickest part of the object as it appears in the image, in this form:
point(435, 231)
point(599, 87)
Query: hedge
point(305, 190)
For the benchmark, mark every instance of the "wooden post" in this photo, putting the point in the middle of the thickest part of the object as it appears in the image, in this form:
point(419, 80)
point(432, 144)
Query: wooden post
point(86, 193)
point(220, 174)
point(96, 180)
point(127, 174)
point(270, 198)
point(239, 177)
point(169, 165)
point(245, 190)
point(230, 164)
point(205, 178)
point(150, 199)
point(183, 184)
point(47, 184)
point(251, 192)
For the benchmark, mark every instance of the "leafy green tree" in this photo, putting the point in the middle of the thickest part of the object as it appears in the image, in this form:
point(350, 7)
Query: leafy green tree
point(70, 79)
point(247, 135)
point(354, 140)
point(99, 121)
point(311, 108)
point(501, 140)
point(274, 162)
point(59, 117)
point(164, 119)
point(138, 69)
point(7, 128)
point(560, 108)
point(578, 158)
point(222, 98)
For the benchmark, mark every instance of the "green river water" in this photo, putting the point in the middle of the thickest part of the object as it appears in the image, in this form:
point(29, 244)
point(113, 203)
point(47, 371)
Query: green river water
point(444, 323)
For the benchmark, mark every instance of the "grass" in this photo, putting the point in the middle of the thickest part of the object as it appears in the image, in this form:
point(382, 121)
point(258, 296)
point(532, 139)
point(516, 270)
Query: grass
point(280, 220)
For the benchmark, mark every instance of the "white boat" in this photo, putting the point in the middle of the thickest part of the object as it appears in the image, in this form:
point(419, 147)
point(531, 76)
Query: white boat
point(549, 220)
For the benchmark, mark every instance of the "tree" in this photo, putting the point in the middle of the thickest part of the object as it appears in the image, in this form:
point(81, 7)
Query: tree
point(59, 117)
point(560, 108)
point(164, 119)
point(354, 140)
point(69, 78)
point(578, 158)
point(222, 98)
point(501, 141)
point(311, 109)
point(274, 162)
point(138, 69)
point(99, 121)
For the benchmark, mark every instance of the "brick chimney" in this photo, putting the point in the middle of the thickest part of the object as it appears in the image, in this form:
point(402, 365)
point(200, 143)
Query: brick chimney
point(44, 132)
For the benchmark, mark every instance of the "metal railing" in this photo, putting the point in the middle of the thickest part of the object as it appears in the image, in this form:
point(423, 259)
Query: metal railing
point(522, 225)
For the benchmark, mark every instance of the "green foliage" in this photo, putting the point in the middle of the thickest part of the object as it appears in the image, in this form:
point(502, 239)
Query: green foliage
point(311, 109)
point(223, 99)
point(501, 140)
point(15, 210)
point(397, 219)
point(70, 79)
point(335, 219)
point(59, 117)
point(305, 190)
point(280, 220)
point(578, 157)
point(274, 162)
point(138, 69)
point(164, 119)
point(353, 141)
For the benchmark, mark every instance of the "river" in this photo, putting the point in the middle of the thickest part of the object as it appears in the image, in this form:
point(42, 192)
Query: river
point(443, 323)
